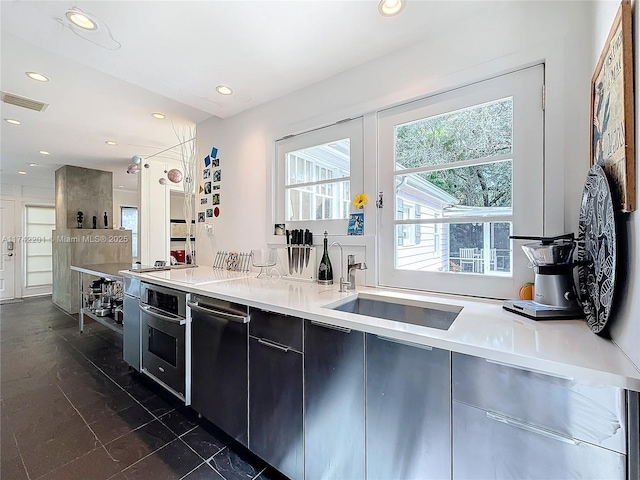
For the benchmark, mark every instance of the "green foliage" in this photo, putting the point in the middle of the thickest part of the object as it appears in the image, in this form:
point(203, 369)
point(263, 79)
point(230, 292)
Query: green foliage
point(472, 133)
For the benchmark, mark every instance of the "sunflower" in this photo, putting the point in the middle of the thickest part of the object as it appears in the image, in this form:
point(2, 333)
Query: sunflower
point(360, 201)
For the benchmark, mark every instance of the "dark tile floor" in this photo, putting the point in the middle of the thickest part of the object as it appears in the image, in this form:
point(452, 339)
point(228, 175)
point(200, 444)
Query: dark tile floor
point(70, 408)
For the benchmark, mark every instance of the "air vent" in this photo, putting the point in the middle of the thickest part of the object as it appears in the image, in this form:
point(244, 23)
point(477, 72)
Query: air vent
point(23, 102)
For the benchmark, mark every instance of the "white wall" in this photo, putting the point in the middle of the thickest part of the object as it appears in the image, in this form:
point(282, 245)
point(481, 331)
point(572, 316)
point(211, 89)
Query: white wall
point(504, 37)
point(626, 321)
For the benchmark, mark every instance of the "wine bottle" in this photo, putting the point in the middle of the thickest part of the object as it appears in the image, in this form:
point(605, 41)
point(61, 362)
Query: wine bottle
point(325, 272)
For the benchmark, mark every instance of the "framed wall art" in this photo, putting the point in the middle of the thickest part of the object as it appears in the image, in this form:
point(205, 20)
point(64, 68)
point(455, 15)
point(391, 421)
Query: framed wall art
point(612, 111)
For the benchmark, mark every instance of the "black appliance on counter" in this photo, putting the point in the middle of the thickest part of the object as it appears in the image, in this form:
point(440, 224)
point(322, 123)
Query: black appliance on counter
point(164, 346)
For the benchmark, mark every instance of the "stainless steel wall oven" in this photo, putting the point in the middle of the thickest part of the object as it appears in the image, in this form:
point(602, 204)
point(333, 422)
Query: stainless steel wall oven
point(163, 320)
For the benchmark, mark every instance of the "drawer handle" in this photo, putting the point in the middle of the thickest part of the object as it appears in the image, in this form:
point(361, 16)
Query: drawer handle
point(233, 317)
point(277, 346)
point(403, 342)
point(530, 428)
point(532, 370)
point(331, 327)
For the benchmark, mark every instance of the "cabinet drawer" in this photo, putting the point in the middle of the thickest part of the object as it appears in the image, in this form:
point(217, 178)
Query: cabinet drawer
point(281, 329)
point(591, 413)
point(276, 428)
point(488, 446)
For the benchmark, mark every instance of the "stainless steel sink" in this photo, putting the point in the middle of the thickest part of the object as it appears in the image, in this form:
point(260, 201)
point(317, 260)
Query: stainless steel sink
point(398, 310)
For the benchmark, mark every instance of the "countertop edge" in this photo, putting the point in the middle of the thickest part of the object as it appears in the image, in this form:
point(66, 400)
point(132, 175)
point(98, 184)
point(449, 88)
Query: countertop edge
point(629, 378)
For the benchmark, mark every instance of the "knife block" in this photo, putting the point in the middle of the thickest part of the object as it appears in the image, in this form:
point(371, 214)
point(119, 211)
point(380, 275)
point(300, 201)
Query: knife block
point(294, 265)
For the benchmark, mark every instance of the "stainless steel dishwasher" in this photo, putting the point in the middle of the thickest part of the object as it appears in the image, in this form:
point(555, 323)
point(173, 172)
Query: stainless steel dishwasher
point(219, 364)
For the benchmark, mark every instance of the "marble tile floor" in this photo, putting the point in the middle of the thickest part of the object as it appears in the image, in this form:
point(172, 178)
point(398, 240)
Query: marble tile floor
point(71, 409)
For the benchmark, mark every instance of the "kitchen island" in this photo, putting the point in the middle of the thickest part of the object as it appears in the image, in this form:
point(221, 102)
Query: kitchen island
point(544, 388)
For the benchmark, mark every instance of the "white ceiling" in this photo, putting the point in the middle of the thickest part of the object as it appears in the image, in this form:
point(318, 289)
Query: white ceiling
point(168, 56)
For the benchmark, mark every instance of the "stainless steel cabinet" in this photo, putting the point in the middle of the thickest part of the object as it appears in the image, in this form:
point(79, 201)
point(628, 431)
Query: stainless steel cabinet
point(488, 445)
point(334, 402)
point(510, 423)
point(276, 396)
point(131, 333)
point(587, 412)
point(219, 365)
point(408, 411)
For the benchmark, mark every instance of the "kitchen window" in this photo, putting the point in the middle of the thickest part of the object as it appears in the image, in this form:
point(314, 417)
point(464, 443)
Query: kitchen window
point(318, 172)
point(465, 169)
point(129, 221)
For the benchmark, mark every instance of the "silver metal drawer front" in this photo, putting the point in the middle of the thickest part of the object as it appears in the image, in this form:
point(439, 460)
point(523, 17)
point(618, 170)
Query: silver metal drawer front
point(591, 413)
point(484, 448)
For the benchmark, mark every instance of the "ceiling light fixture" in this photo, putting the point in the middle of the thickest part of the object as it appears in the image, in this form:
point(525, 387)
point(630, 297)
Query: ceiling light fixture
point(224, 90)
point(37, 76)
point(159, 116)
point(120, 186)
point(389, 8)
point(20, 172)
point(44, 152)
point(81, 19)
point(13, 121)
point(111, 142)
point(33, 164)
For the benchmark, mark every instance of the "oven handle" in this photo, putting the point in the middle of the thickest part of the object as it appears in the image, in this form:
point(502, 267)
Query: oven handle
point(176, 320)
point(219, 313)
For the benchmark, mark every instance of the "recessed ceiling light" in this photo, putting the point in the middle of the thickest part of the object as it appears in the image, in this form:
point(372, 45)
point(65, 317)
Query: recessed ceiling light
point(44, 152)
point(13, 121)
point(159, 116)
point(110, 142)
point(389, 8)
point(21, 172)
point(81, 19)
point(224, 90)
point(33, 164)
point(120, 186)
point(37, 76)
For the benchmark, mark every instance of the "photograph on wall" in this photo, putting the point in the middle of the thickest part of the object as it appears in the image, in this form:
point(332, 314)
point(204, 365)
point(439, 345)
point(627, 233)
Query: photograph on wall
point(215, 162)
point(216, 176)
point(204, 201)
point(206, 173)
point(356, 224)
point(209, 212)
point(207, 161)
point(612, 129)
point(278, 229)
point(200, 216)
point(207, 188)
point(215, 187)
point(215, 200)
point(214, 152)
point(216, 211)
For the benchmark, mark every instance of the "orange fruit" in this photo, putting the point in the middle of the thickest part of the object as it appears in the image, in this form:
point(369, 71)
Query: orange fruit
point(526, 291)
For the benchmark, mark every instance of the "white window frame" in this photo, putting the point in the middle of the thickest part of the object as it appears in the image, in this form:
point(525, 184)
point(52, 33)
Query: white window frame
point(37, 289)
point(525, 86)
point(352, 129)
point(134, 255)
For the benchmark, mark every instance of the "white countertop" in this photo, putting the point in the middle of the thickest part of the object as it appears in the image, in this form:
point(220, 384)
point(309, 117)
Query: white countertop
point(566, 348)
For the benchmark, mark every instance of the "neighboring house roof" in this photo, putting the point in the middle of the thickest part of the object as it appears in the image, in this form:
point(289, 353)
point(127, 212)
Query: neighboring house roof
point(426, 188)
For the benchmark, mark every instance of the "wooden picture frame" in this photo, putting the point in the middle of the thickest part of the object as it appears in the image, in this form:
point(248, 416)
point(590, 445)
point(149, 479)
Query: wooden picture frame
point(612, 112)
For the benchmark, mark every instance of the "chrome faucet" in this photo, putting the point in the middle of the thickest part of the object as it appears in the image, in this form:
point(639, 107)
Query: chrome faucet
point(342, 283)
point(352, 266)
